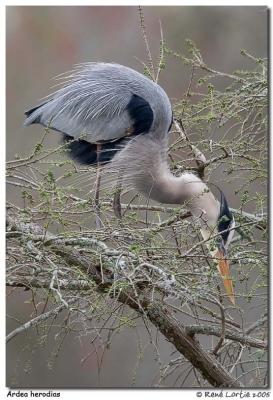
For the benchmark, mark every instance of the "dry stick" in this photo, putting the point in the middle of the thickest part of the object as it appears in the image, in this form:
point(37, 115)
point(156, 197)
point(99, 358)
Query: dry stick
point(222, 337)
point(259, 222)
point(200, 158)
point(37, 320)
point(190, 82)
point(149, 55)
point(237, 360)
point(231, 335)
point(116, 199)
point(161, 54)
point(257, 324)
point(175, 332)
point(159, 314)
point(30, 282)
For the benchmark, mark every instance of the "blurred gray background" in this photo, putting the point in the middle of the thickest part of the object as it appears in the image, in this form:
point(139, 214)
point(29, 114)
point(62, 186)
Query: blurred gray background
point(43, 42)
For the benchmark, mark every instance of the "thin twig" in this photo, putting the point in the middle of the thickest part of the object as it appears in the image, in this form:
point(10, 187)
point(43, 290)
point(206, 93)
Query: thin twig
point(37, 320)
point(145, 37)
point(223, 324)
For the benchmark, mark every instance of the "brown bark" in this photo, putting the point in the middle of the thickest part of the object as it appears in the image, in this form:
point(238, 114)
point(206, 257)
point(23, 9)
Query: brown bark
point(159, 314)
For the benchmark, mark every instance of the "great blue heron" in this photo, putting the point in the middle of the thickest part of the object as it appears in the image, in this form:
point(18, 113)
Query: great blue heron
point(119, 116)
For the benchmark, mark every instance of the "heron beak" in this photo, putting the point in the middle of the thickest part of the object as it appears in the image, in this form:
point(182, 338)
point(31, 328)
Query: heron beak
point(220, 256)
point(223, 268)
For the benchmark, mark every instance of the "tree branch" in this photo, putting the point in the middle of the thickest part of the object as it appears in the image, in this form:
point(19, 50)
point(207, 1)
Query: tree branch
point(37, 320)
point(236, 336)
point(158, 313)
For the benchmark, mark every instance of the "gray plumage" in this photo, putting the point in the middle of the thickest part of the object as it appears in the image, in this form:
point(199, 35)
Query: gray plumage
point(93, 104)
point(105, 103)
point(111, 114)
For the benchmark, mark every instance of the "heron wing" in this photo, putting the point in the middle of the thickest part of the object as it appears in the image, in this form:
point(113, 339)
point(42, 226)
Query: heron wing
point(98, 102)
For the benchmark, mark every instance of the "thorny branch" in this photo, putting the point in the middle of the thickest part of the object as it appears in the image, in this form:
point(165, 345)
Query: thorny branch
point(36, 321)
point(152, 261)
point(158, 313)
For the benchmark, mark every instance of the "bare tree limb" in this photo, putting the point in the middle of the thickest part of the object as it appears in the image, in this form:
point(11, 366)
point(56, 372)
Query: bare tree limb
point(36, 321)
point(238, 337)
point(158, 313)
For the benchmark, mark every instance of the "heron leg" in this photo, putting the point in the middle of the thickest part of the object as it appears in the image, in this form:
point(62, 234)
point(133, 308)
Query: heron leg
point(116, 199)
point(97, 191)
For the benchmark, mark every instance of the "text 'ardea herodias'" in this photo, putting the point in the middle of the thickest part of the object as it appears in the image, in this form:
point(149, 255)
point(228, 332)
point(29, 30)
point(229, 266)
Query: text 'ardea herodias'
point(120, 116)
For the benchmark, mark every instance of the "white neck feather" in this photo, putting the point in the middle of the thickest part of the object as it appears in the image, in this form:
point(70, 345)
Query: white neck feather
point(143, 165)
point(186, 189)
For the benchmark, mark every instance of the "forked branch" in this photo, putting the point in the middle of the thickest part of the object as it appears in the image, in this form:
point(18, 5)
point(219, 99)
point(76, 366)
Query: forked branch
point(155, 311)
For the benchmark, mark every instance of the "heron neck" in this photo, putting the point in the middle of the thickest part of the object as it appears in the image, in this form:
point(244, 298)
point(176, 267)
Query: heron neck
point(143, 164)
point(167, 189)
point(186, 189)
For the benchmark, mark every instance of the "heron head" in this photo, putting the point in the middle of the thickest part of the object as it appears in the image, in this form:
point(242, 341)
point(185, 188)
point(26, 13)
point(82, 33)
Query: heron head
point(225, 225)
point(221, 231)
point(225, 228)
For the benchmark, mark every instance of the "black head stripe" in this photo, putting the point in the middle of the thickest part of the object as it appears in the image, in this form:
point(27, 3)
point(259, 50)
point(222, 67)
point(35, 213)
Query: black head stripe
point(223, 225)
point(225, 217)
point(224, 209)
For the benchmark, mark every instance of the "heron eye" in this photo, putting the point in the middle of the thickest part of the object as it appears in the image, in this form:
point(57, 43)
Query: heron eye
point(223, 225)
point(224, 219)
